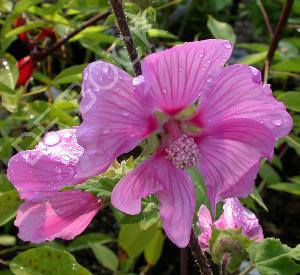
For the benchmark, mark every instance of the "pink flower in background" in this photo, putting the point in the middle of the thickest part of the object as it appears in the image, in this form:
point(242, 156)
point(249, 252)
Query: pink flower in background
point(235, 216)
point(235, 124)
point(38, 175)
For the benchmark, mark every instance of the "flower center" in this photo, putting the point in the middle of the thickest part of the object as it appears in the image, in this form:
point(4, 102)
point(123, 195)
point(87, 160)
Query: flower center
point(183, 152)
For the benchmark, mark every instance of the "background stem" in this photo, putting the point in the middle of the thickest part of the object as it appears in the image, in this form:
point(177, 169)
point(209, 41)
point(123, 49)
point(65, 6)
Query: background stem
point(199, 256)
point(126, 35)
point(183, 261)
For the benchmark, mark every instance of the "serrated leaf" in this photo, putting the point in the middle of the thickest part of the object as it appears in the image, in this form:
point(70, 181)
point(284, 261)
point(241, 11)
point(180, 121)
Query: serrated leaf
point(46, 260)
point(272, 257)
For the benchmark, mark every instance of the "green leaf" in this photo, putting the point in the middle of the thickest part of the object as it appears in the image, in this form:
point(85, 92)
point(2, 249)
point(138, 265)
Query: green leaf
point(134, 240)
point(154, 249)
point(105, 256)
point(46, 260)
point(253, 58)
point(8, 71)
point(293, 142)
point(272, 257)
point(268, 173)
point(256, 197)
point(291, 100)
point(292, 65)
point(69, 75)
point(84, 241)
point(220, 29)
point(292, 188)
point(7, 240)
point(5, 184)
point(25, 28)
point(255, 47)
point(9, 203)
point(156, 33)
point(23, 5)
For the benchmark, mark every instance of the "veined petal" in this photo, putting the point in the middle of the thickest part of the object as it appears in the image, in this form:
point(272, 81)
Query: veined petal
point(174, 77)
point(59, 215)
point(205, 224)
point(237, 92)
point(230, 155)
point(49, 167)
point(236, 216)
point(116, 118)
point(174, 189)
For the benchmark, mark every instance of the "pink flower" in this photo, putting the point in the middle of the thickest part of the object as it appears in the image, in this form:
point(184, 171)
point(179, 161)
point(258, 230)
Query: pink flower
point(38, 175)
point(237, 121)
point(235, 216)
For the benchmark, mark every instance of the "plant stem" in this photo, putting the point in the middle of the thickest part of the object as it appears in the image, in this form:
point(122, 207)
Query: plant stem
point(43, 54)
point(266, 18)
point(278, 34)
point(183, 261)
point(199, 257)
point(126, 35)
point(247, 270)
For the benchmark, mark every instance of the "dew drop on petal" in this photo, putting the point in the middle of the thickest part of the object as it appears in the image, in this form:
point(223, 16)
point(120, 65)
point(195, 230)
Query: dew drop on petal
point(276, 122)
point(208, 61)
point(201, 55)
point(180, 69)
point(209, 80)
point(256, 76)
point(51, 138)
point(227, 45)
point(164, 90)
point(137, 80)
point(125, 113)
point(106, 131)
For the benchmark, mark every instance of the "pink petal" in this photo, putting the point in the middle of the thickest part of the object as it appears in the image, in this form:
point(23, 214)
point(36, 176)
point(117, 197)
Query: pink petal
point(60, 215)
point(116, 118)
point(205, 224)
point(175, 77)
point(237, 92)
point(49, 167)
point(230, 155)
point(235, 216)
point(174, 189)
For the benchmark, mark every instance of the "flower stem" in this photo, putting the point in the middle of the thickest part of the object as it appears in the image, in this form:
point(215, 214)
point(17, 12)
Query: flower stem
point(126, 35)
point(266, 18)
point(183, 261)
point(277, 35)
point(199, 257)
point(58, 44)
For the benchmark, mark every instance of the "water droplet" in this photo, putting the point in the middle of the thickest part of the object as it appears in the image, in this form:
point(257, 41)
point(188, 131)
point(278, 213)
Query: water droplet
point(203, 68)
point(224, 59)
point(261, 121)
point(137, 80)
point(125, 113)
point(208, 61)
point(227, 45)
point(209, 80)
point(256, 76)
point(276, 122)
point(66, 158)
point(51, 138)
point(201, 55)
point(180, 69)
point(164, 90)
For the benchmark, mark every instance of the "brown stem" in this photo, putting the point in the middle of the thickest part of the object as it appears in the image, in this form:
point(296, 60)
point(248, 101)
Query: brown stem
point(183, 261)
point(266, 17)
point(58, 44)
point(278, 33)
point(126, 35)
point(199, 257)
point(247, 270)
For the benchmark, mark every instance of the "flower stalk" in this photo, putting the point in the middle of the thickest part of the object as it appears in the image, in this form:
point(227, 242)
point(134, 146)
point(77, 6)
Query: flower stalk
point(117, 7)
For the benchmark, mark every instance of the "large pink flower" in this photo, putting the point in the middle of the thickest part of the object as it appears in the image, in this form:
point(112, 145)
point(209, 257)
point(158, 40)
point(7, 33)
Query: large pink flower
point(235, 216)
point(38, 175)
point(235, 124)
